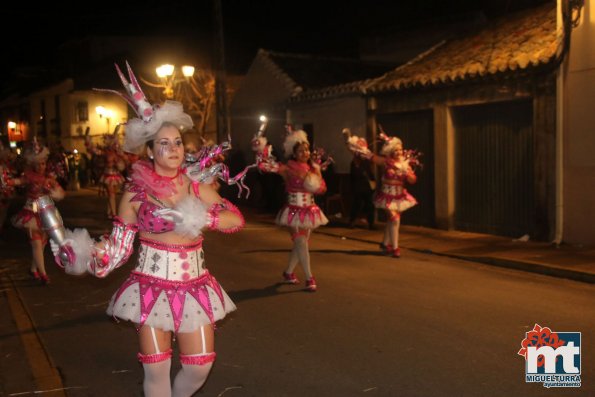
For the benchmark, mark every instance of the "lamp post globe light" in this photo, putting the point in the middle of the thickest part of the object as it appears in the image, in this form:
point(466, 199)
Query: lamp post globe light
point(195, 89)
point(106, 114)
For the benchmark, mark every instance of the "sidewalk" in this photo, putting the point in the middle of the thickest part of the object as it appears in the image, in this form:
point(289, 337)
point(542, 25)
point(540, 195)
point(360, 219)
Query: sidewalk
point(565, 261)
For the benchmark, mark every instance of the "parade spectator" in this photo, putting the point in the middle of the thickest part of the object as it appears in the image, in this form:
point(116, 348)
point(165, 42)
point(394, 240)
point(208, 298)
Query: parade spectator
point(362, 189)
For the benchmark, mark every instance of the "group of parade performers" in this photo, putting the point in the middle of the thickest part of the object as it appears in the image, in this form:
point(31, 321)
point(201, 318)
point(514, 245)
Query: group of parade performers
point(169, 199)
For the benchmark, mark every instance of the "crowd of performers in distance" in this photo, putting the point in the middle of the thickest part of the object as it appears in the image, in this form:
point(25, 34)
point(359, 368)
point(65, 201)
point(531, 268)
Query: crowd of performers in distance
point(169, 200)
point(301, 173)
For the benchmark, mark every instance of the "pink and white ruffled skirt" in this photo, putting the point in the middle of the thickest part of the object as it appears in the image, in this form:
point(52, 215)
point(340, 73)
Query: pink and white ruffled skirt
point(394, 198)
point(301, 212)
point(112, 178)
point(170, 289)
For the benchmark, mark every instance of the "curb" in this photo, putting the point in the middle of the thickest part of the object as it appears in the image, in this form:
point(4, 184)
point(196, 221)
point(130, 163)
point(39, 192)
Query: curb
point(530, 267)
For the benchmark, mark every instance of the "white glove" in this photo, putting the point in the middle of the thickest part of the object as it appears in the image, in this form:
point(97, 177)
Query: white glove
point(169, 214)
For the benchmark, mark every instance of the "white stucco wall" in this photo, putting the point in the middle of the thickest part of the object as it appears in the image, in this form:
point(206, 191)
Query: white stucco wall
point(329, 118)
point(579, 134)
point(261, 92)
point(98, 126)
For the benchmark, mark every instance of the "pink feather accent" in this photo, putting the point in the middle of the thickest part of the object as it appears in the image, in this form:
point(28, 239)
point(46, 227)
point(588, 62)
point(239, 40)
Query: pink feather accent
point(145, 177)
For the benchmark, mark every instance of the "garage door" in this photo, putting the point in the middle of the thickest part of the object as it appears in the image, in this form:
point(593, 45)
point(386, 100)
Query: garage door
point(494, 168)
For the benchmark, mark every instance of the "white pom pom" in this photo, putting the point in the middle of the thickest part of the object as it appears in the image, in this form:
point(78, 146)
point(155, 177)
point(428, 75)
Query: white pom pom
point(194, 217)
point(83, 245)
point(312, 182)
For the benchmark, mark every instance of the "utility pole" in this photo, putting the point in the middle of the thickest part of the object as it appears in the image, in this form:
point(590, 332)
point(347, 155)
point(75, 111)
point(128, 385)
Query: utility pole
point(220, 83)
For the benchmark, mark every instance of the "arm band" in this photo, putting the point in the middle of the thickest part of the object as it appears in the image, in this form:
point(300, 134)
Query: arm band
point(214, 212)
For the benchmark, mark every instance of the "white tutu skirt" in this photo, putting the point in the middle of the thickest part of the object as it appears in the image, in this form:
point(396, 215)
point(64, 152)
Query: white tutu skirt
point(179, 306)
point(394, 198)
point(309, 217)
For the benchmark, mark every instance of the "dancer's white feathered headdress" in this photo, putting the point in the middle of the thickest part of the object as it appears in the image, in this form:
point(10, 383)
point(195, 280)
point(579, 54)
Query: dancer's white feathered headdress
point(291, 138)
point(391, 143)
point(35, 152)
point(150, 117)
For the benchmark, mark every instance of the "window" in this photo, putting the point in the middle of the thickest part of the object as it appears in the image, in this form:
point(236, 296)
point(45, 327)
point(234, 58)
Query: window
point(82, 111)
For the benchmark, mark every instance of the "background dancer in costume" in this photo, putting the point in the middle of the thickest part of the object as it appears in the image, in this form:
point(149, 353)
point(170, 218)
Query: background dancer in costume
point(170, 292)
point(392, 196)
point(7, 172)
point(303, 179)
point(113, 160)
point(37, 181)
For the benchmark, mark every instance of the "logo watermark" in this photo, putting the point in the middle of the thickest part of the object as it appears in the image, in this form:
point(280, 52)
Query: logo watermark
point(552, 358)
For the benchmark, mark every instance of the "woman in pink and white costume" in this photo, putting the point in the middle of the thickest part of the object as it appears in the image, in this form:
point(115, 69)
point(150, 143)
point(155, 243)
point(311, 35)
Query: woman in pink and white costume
point(303, 179)
point(392, 196)
point(170, 291)
point(38, 181)
point(111, 179)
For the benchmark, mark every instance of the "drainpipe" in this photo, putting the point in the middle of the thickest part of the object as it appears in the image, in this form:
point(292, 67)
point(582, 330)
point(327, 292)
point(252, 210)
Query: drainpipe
point(559, 226)
point(559, 229)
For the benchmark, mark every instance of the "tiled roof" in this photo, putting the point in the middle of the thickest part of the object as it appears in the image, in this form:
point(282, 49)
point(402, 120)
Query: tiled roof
point(307, 73)
point(516, 42)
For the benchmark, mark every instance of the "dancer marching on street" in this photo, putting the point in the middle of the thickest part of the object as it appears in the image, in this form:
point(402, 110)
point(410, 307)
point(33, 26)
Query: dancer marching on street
point(397, 171)
point(170, 293)
point(303, 179)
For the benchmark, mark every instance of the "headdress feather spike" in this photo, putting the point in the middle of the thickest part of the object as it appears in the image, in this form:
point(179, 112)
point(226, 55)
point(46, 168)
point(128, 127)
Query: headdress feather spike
point(134, 94)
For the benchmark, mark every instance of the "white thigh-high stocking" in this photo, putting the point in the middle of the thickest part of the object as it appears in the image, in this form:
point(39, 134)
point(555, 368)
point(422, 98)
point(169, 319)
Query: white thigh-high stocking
point(394, 226)
point(192, 376)
point(293, 260)
point(157, 380)
point(300, 244)
point(386, 239)
point(194, 372)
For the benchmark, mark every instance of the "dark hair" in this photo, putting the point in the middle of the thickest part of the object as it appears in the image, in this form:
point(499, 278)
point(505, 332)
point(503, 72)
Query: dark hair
point(296, 146)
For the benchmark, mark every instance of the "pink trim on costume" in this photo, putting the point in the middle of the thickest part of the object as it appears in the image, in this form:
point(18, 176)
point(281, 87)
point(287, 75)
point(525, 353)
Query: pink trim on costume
point(155, 357)
point(197, 359)
point(213, 216)
point(216, 209)
point(300, 233)
point(196, 188)
point(129, 226)
point(151, 287)
point(144, 176)
point(311, 211)
point(171, 247)
point(395, 217)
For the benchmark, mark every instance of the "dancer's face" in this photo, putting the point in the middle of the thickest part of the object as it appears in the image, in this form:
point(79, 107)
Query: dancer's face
point(398, 153)
point(40, 167)
point(168, 148)
point(302, 152)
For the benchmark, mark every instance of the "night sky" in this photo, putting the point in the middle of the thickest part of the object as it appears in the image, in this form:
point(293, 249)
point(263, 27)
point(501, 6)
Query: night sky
point(316, 27)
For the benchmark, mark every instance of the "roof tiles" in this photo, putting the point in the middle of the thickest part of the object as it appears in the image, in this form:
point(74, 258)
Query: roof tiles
point(516, 42)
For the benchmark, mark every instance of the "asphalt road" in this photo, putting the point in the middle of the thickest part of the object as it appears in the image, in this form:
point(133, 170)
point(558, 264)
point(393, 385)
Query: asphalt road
point(421, 325)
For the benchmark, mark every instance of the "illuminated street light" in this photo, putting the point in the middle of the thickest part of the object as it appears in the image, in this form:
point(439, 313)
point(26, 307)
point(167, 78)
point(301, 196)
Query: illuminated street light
point(107, 114)
point(195, 90)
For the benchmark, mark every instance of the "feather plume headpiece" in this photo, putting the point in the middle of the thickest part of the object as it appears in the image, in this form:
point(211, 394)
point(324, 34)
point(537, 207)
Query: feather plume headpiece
point(291, 138)
point(150, 117)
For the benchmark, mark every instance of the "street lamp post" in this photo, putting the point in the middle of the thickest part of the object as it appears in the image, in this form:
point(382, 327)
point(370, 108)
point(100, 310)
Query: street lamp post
point(195, 90)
